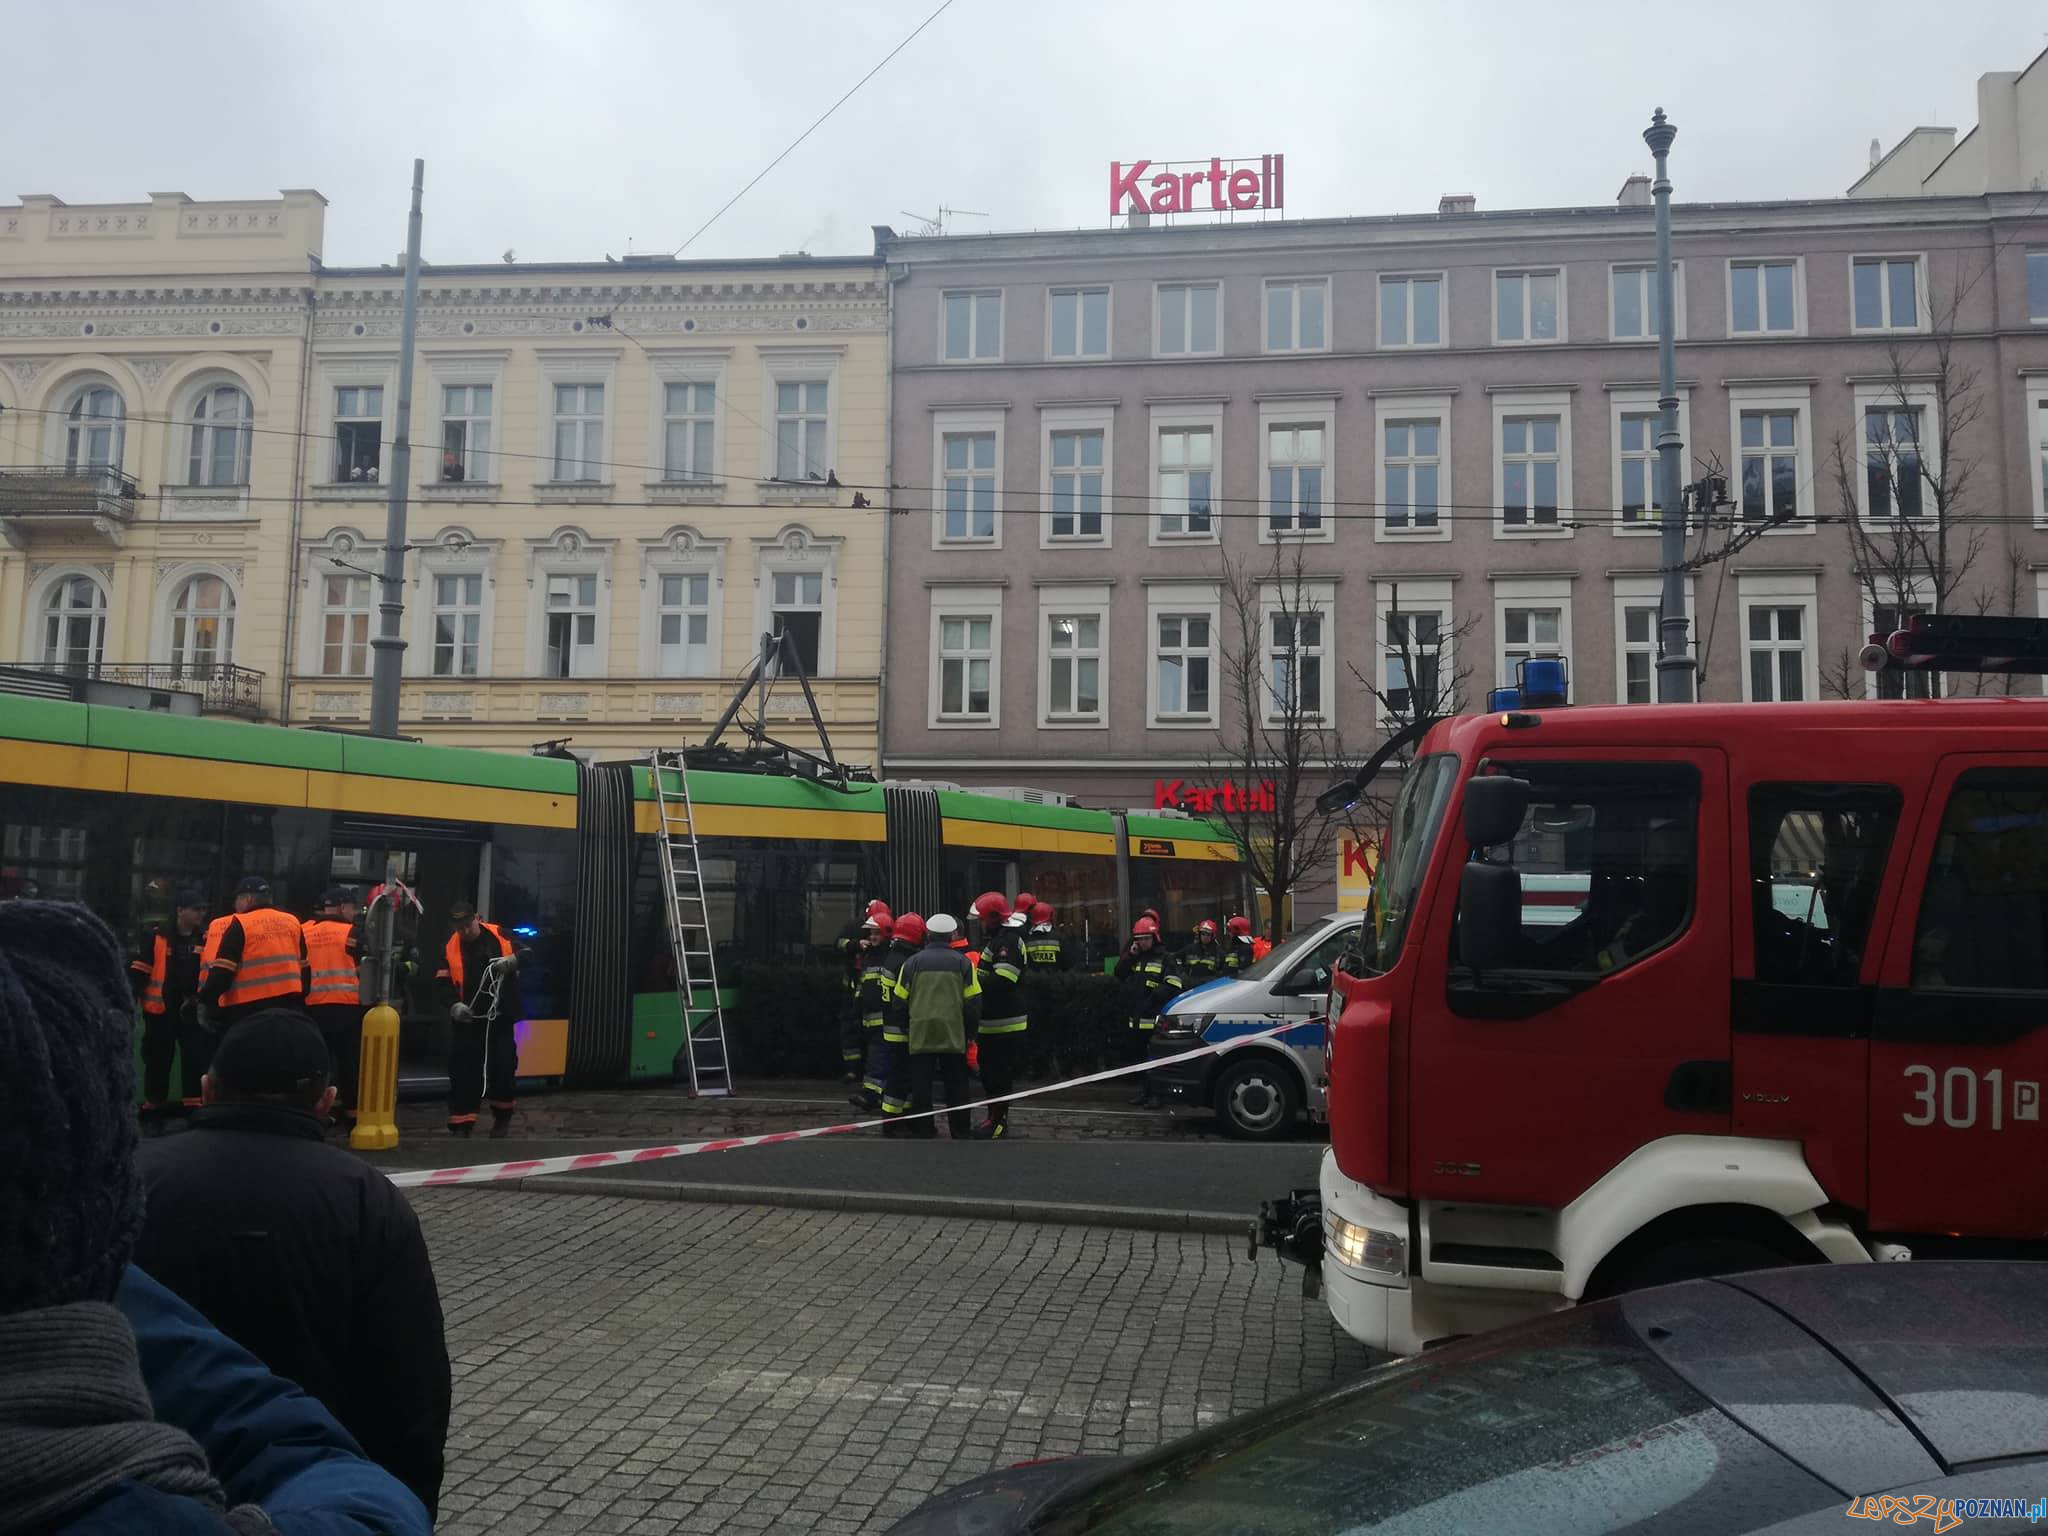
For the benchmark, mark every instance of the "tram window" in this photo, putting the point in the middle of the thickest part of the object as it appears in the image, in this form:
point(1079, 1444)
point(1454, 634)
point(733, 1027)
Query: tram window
point(1816, 864)
point(1984, 915)
point(177, 843)
point(45, 847)
point(289, 848)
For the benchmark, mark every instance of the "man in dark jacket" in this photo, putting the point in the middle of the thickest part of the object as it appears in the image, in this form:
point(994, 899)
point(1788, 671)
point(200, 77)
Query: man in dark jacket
point(939, 997)
point(164, 974)
point(121, 1410)
point(1003, 1015)
point(1147, 979)
point(302, 1254)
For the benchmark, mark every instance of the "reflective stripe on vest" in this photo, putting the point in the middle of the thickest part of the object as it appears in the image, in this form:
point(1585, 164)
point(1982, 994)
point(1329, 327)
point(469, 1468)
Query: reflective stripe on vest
point(272, 958)
point(159, 967)
point(1004, 1026)
point(209, 952)
point(334, 973)
point(453, 954)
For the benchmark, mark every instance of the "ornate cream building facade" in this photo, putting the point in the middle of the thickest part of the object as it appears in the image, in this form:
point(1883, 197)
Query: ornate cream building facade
point(623, 475)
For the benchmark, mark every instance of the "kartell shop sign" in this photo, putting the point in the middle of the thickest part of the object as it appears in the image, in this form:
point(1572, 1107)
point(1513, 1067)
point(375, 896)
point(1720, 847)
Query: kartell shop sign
point(1206, 799)
point(1189, 186)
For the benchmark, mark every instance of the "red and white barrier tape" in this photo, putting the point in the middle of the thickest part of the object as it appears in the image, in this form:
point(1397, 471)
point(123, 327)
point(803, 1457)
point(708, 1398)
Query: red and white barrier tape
point(492, 1173)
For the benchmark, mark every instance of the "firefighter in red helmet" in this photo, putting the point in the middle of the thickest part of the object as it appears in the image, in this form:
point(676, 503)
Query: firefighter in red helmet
point(1003, 1019)
point(853, 948)
point(1042, 946)
point(1147, 980)
point(1237, 954)
point(906, 939)
point(1204, 960)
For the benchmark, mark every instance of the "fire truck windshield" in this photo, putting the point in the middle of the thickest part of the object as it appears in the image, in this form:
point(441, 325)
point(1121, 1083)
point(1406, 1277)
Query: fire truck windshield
point(1411, 834)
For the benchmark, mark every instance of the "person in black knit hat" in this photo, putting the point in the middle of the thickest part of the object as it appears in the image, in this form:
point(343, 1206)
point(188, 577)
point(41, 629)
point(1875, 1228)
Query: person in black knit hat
point(89, 1446)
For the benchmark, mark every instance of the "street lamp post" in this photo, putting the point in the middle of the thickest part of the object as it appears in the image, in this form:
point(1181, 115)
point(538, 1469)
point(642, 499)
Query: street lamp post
point(1675, 667)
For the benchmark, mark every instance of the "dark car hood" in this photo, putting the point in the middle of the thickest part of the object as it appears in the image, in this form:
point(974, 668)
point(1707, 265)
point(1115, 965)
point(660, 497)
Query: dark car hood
point(1000, 1502)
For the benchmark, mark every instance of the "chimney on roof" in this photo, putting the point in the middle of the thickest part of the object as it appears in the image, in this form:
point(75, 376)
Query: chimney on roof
point(1635, 192)
point(1457, 202)
point(1876, 153)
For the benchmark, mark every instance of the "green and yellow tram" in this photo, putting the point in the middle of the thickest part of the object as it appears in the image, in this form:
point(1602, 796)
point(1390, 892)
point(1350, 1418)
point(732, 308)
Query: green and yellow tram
point(119, 808)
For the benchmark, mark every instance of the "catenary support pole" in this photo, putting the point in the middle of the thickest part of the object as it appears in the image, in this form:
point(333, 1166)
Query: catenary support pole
point(387, 649)
point(1675, 667)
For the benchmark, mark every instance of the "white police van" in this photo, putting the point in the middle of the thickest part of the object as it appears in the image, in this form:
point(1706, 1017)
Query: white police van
point(1259, 1088)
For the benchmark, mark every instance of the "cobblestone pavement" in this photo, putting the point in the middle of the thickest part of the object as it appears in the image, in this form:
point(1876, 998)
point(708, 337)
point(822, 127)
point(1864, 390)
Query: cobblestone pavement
point(626, 1366)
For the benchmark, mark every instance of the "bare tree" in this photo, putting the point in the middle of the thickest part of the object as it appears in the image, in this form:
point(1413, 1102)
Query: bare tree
point(1278, 742)
point(1903, 493)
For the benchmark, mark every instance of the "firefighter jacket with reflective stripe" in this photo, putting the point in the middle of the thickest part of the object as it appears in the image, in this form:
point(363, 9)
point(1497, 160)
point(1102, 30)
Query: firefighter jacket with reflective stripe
point(166, 971)
point(1238, 956)
point(1001, 969)
point(851, 954)
point(1203, 962)
point(334, 952)
point(485, 947)
point(264, 955)
point(877, 977)
point(1147, 980)
point(1043, 949)
point(940, 996)
point(895, 1014)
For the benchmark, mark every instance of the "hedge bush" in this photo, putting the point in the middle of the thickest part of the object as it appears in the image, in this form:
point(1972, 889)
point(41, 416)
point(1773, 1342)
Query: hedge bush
point(786, 1023)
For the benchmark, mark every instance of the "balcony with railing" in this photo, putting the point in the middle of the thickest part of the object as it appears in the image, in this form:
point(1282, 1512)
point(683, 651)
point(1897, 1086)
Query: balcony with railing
point(95, 501)
point(220, 687)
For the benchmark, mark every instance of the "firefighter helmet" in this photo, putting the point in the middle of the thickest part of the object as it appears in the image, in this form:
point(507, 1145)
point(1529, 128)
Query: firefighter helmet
point(1041, 914)
point(909, 928)
point(878, 908)
point(1024, 903)
point(1241, 926)
point(1145, 925)
point(1207, 927)
point(991, 908)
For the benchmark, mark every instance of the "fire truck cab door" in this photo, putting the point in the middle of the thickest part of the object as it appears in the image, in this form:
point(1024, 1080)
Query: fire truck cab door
point(1959, 1048)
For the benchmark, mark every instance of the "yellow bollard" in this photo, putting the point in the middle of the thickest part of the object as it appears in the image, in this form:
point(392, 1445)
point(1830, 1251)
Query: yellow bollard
point(376, 1128)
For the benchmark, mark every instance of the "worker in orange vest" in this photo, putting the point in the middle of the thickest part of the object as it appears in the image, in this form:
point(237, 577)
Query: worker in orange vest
point(334, 950)
point(483, 1050)
point(165, 973)
point(258, 962)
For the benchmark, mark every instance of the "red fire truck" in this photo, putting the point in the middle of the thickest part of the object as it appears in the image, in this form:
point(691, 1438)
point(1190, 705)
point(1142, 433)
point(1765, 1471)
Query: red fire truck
point(1801, 1014)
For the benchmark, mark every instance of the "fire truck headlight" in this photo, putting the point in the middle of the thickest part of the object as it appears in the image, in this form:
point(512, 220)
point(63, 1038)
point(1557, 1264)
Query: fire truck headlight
point(1367, 1248)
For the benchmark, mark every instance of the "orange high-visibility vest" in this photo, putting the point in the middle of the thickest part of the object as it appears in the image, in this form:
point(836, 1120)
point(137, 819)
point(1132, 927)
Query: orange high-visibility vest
point(273, 958)
point(335, 979)
point(210, 950)
point(159, 968)
point(453, 968)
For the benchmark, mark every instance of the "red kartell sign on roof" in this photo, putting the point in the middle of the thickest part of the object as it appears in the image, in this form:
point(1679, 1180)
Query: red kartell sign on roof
point(1189, 186)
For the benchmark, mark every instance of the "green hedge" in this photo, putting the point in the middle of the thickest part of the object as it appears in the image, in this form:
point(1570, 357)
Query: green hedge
point(786, 1023)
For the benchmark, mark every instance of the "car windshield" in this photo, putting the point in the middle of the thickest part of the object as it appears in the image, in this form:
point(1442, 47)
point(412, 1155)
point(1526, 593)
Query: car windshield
point(1411, 834)
point(1282, 957)
point(1578, 1432)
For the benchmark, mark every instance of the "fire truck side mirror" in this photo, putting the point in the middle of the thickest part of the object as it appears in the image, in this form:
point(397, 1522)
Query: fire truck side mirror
point(1489, 916)
point(1494, 806)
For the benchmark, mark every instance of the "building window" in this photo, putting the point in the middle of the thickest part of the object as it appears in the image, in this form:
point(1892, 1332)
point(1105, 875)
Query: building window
point(1297, 316)
point(1187, 318)
point(344, 625)
point(1636, 316)
point(1411, 311)
point(1530, 467)
point(1528, 632)
point(1770, 466)
point(1886, 293)
point(974, 327)
point(1639, 624)
point(74, 622)
point(1414, 470)
point(219, 438)
point(570, 644)
point(1639, 456)
point(1080, 322)
point(800, 429)
point(1412, 661)
point(1294, 664)
point(683, 625)
point(203, 623)
point(966, 662)
point(1527, 306)
point(1777, 653)
point(970, 486)
point(93, 430)
point(466, 432)
point(689, 431)
point(2037, 285)
point(1077, 485)
point(2041, 461)
point(1899, 684)
point(1294, 477)
point(1187, 464)
point(1891, 461)
point(797, 609)
point(458, 625)
point(1762, 297)
point(1183, 656)
point(1073, 662)
point(358, 432)
point(579, 434)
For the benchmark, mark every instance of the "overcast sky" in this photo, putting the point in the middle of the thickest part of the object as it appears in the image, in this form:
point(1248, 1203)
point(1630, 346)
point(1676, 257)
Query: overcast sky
point(569, 129)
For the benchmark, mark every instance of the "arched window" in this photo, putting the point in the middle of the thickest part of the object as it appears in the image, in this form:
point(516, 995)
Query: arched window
point(92, 432)
point(220, 437)
point(74, 622)
point(203, 624)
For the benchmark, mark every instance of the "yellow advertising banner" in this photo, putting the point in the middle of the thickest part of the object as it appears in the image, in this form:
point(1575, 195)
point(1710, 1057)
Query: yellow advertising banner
point(1357, 860)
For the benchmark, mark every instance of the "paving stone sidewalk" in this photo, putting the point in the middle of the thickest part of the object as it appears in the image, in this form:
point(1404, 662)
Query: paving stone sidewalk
point(625, 1368)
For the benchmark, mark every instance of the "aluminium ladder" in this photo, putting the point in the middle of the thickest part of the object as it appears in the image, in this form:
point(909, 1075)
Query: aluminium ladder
point(689, 932)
